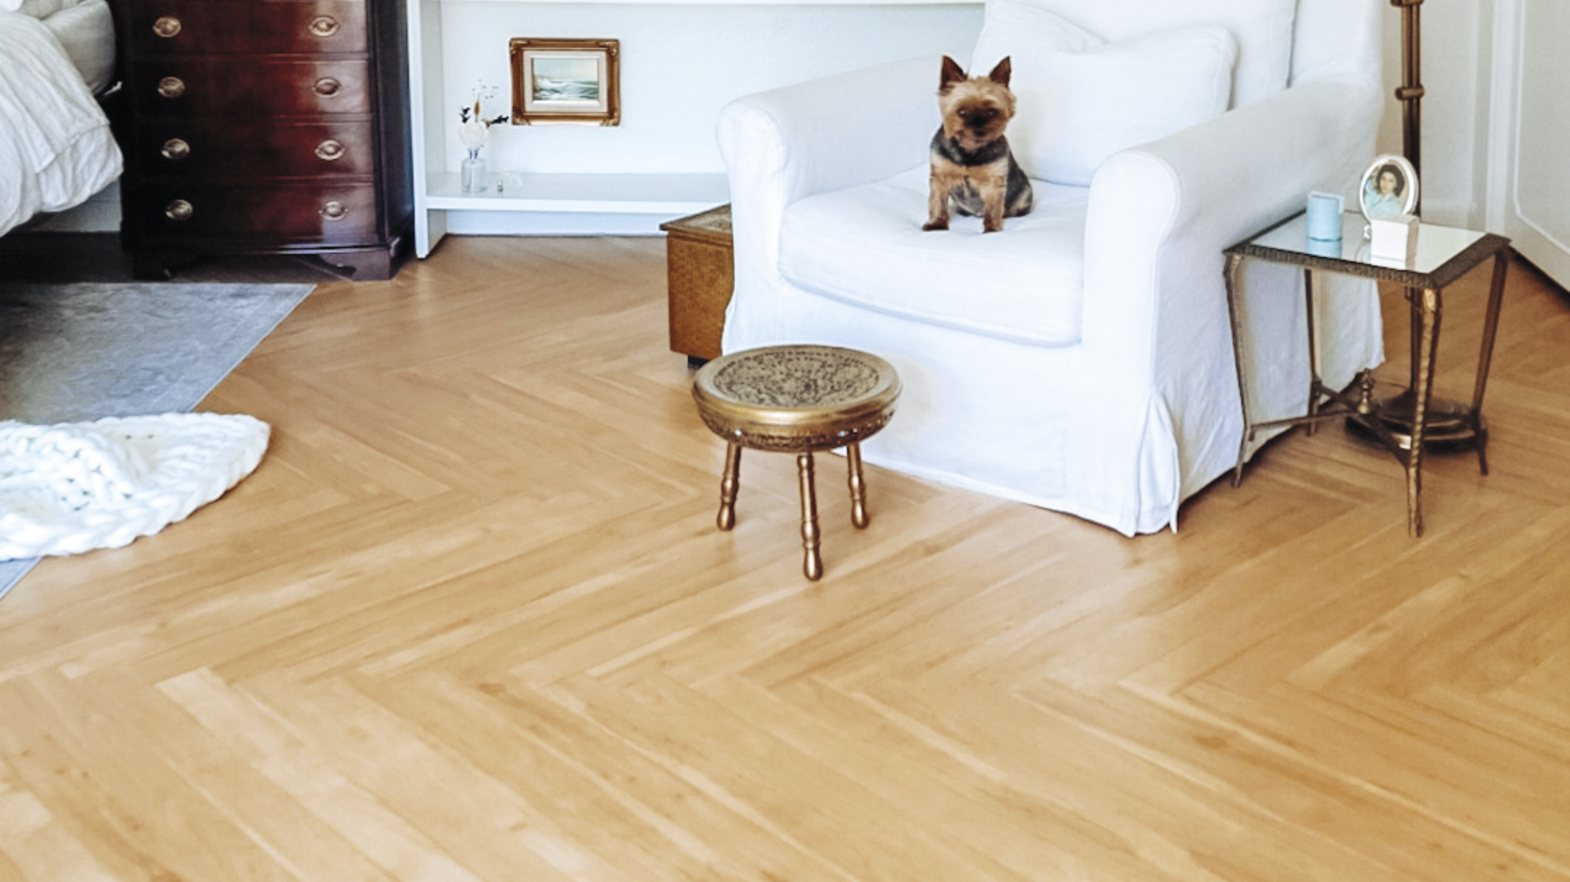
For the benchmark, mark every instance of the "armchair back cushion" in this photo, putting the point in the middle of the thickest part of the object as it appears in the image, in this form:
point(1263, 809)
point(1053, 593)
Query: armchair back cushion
point(1082, 99)
point(1262, 29)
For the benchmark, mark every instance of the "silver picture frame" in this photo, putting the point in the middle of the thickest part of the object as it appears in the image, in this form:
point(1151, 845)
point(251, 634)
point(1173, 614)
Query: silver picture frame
point(1388, 188)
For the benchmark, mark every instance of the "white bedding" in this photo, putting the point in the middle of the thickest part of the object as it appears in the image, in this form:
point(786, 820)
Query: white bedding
point(85, 29)
point(56, 149)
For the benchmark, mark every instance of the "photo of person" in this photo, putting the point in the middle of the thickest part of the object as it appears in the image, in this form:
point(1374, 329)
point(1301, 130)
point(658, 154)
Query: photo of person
point(1389, 188)
point(1382, 195)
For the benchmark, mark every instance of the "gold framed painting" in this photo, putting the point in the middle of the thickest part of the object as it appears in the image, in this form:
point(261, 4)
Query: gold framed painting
point(566, 81)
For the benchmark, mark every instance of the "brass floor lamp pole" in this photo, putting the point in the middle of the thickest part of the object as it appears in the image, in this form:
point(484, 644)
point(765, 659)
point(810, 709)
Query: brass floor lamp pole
point(1446, 424)
point(1410, 92)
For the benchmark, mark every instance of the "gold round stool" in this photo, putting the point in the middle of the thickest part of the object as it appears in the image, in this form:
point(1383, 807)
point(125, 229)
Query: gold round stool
point(796, 399)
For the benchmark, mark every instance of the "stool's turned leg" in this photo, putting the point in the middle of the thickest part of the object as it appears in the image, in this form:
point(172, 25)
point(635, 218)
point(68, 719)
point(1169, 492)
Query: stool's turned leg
point(813, 565)
point(730, 482)
point(858, 486)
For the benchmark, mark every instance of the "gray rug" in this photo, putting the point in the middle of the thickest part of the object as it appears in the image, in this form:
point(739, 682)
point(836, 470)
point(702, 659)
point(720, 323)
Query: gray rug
point(77, 352)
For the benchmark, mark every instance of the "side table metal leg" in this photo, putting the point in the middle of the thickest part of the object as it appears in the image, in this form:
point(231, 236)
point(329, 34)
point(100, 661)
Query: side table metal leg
point(858, 486)
point(1428, 340)
point(813, 564)
point(1230, 274)
point(1490, 329)
point(1313, 352)
point(730, 483)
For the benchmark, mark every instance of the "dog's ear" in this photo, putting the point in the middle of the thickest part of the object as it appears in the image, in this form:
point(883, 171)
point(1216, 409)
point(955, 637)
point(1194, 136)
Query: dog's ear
point(952, 73)
point(1000, 74)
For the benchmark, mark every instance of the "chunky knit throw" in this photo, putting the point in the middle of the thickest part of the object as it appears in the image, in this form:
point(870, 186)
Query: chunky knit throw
point(73, 487)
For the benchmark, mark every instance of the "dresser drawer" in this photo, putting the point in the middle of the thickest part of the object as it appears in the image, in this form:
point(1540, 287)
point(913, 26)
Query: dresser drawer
point(265, 86)
point(264, 127)
point(276, 150)
point(280, 213)
point(207, 27)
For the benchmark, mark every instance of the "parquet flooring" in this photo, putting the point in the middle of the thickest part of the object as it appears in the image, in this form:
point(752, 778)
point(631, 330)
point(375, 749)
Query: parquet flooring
point(471, 620)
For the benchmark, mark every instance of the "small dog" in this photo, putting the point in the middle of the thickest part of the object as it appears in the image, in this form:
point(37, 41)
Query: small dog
point(972, 165)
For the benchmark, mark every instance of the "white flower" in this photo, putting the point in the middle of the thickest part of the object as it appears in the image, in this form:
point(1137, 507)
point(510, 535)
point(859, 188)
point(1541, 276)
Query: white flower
point(472, 134)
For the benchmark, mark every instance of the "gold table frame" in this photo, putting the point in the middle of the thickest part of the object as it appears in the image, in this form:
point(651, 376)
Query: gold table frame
point(1445, 254)
point(796, 399)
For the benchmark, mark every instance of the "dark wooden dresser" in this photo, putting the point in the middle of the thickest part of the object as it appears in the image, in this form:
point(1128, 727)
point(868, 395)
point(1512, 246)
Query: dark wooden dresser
point(266, 126)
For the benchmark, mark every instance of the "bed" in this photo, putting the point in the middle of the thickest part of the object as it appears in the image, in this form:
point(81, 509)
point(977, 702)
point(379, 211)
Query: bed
point(56, 148)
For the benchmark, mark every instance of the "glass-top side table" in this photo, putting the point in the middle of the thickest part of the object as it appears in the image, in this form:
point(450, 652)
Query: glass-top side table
point(1444, 254)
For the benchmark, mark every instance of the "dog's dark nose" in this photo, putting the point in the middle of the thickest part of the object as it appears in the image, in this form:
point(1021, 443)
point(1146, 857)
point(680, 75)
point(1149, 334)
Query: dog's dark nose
point(980, 117)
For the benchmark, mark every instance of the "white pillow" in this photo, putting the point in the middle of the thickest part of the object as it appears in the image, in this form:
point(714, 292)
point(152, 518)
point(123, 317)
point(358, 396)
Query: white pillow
point(1081, 100)
point(1011, 23)
point(1262, 28)
point(86, 33)
point(42, 9)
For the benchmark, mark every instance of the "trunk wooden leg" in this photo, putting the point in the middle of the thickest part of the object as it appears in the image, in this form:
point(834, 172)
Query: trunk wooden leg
point(858, 486)
point(813, 564)
point(730, 482)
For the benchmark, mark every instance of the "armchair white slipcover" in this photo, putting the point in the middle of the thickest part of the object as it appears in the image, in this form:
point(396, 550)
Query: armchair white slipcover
point(1080, 360)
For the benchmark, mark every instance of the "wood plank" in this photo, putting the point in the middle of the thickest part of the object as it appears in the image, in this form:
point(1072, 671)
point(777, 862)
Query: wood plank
point(471, 619)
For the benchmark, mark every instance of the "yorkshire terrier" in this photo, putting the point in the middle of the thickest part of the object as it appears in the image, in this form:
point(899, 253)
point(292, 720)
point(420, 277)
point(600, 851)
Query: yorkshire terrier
point(972, 166)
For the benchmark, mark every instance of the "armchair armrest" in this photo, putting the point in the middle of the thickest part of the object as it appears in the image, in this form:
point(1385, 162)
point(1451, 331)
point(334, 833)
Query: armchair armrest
point(1160, 216)
point(1161, 213)
point(825, 134)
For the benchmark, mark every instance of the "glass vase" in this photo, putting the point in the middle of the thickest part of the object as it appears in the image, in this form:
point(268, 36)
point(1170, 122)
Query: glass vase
point(471, 173)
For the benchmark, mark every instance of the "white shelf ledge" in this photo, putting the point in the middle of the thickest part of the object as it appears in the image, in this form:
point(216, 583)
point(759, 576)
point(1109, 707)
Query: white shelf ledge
point(602, 194)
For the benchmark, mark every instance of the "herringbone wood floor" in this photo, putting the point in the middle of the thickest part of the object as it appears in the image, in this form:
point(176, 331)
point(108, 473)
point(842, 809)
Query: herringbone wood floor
point(471, 620)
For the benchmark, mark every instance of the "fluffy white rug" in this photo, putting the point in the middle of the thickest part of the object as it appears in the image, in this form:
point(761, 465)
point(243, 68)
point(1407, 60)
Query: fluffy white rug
point(73, 487)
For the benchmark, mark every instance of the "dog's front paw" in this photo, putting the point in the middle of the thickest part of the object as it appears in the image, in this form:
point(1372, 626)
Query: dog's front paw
point(931, 225)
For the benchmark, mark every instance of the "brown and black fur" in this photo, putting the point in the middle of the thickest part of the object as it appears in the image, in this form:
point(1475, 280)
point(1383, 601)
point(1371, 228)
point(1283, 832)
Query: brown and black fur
point(972, 167)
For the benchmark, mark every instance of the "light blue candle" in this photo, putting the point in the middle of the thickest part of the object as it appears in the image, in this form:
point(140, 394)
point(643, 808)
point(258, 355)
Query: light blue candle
point(1324, 216)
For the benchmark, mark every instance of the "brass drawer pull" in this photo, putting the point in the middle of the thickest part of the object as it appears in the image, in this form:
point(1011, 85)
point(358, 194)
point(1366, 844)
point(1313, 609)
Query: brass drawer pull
point(331, 150)
point(324, 26)
point(179, 210)
point(171, 87)
point(166, 26)
point(327, 87)
point(334, 210)
point(175, 149)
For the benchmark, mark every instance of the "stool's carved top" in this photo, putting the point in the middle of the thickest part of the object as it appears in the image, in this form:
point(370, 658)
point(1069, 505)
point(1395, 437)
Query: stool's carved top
point(799, 376)
point(796, 397)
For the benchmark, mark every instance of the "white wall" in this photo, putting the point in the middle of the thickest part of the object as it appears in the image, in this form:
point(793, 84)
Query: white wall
point(670, 107)
point(680, 64)
point(669, 110)
point(1457, 36)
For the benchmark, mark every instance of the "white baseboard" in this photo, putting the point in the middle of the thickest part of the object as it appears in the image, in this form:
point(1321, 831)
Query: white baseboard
point(546, 223)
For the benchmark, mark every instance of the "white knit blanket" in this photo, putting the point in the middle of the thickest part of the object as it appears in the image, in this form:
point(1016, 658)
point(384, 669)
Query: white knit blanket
point(73, 487)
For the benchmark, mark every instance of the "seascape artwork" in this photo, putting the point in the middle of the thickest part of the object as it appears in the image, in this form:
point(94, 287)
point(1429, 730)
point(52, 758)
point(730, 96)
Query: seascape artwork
point(574, 82)
point(566, 79)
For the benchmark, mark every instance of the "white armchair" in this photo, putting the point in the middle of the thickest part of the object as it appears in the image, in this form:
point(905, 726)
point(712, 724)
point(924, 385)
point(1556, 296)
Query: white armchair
point(1080, 360)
